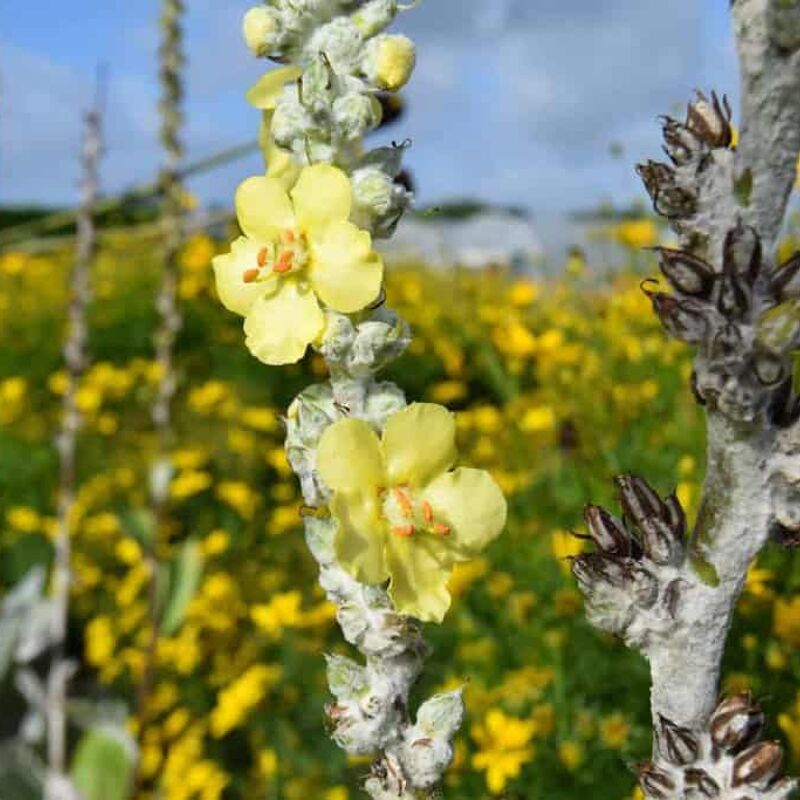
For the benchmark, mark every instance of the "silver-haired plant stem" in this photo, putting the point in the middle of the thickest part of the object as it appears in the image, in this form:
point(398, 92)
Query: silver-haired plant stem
point(57, 784)
point(670, 595)
point(172, 60)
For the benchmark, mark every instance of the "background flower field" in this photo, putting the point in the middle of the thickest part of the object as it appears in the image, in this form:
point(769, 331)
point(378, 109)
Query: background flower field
point(558, 385)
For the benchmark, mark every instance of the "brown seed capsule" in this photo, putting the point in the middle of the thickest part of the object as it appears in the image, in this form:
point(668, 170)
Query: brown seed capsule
point(769, 368)
point(655, 782)
point(736, 721)
point(785, 281)
point(758, 765)
point(592, 569)
point(659, 542)
point(687, 274)
point(678, 745)
point(607, 532)
point(676, 516)
point(680, 143)
point(698, 784)
point(742, 252)
point(733, 295)
point(710, 120)
point(684, 320)
point(639, 500)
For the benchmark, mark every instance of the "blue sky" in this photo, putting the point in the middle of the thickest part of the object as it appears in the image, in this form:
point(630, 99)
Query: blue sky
point(514, 101)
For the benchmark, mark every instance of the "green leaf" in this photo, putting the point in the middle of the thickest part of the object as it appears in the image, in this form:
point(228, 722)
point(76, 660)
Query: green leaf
point(186, 572)
point(705, 570)
point(139, 524)
point(102, 766)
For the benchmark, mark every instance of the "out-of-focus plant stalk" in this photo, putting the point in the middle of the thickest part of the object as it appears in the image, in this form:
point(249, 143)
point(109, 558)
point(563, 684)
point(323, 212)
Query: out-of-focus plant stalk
point(75, 359)
point(172, 61)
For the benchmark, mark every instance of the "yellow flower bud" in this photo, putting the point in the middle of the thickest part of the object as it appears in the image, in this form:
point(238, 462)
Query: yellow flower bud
point(258, 26)
point(394, 58)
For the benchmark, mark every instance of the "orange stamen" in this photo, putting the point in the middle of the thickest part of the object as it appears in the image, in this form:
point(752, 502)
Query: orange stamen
point(441, 530)
point(403, 531)
point(262, 257)
point(427, 512)
point(288, 235)
point(405, 504)
point(284, 262)
point(250, 275)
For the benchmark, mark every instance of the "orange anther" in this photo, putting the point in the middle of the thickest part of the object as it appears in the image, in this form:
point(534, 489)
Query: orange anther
point(402, 500)
point(250, 275)
point(427, 512)
point(288, 235)
point(284, 262)
point(263, 253)
point(441, 530)
point(403, 531)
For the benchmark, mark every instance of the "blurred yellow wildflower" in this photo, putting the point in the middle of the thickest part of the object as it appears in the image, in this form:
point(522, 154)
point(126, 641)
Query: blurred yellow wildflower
point(238, 699)
point(614, 731)
point(571, 754)
point(786, 620)
point(283, 611)
point(503, 747)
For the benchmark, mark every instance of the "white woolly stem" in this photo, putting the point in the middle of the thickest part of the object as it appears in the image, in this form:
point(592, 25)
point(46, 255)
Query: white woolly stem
point(75, 362)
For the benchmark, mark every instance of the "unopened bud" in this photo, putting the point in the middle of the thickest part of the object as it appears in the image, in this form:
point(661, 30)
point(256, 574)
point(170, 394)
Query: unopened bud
point(259, 27)
point(372, 190)
point(736, 721)
point(758, 765)
point(354, 114)
point(390, 61)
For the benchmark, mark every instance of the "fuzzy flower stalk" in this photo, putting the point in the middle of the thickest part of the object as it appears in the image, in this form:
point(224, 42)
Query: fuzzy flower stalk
point(667, 588)
point(388, 510)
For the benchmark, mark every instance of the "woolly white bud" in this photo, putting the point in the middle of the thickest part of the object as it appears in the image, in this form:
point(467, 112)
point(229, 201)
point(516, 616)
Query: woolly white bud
point(389, 61)
point(260, 28)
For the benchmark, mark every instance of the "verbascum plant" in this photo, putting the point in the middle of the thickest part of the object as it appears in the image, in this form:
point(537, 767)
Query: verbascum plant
point(387, 515)
point(668, 589)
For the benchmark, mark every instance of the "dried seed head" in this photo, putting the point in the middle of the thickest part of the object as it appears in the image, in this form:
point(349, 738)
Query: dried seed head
point(736, 721)
point(742, 252)
point(758, 765)
point(607, 532)
point(640, 501)
point(710, 120)
point(687, 274)
point(659, 542)
point(655, 782)
point(684, 320)
point(678, 745)
point(699, 784)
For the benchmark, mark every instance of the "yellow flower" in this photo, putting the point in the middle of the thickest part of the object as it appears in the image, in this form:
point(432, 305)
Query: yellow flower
point(295, 250)
point(268, 763)
point(504, 747)
point(538, 419)
point(570, 754)
point(614, 731)
point(236, 701)
point(786, 620)
point(395, 58)
point(401, 515)
point(283, 611)
point(790, 725)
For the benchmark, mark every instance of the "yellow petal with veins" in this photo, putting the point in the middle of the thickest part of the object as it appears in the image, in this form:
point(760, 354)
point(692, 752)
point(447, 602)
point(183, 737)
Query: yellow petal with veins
point(235, 294)
point(322, 195)
point(360, 535)
point(471, 504)
point(419, 443)
point(349, 457)
point(345, 271)
point(282, 322)
point(263, 208)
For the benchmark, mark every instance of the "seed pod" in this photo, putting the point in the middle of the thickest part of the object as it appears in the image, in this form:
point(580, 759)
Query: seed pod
point(639, 500)
point(678, 745)
point(758, 765)
point(655, 782)
point(710, 120)
point(736, 721)
point(726, 348)
point(699, 784)
point(672, 596)
point(742, 252)
point(659, 542)
point(687, 274)
point(680, 144)
point(769, 369)
point(655, 176)
point(607, 532)
point(676, 516)
point(733, 296)
point(785, 280)
point(683, 320)
point(592, 569)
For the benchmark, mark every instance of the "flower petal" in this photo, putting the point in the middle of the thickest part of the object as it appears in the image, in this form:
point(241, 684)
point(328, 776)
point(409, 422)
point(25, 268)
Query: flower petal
point(282, 323)
point(235, 294)
point(471, 503)
point(264, 93)
point(345, 271)
point(263, 208)
point(360, 535)
point(322, 195)
point(349, 457)
point(419, 443)
point(419, 569)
